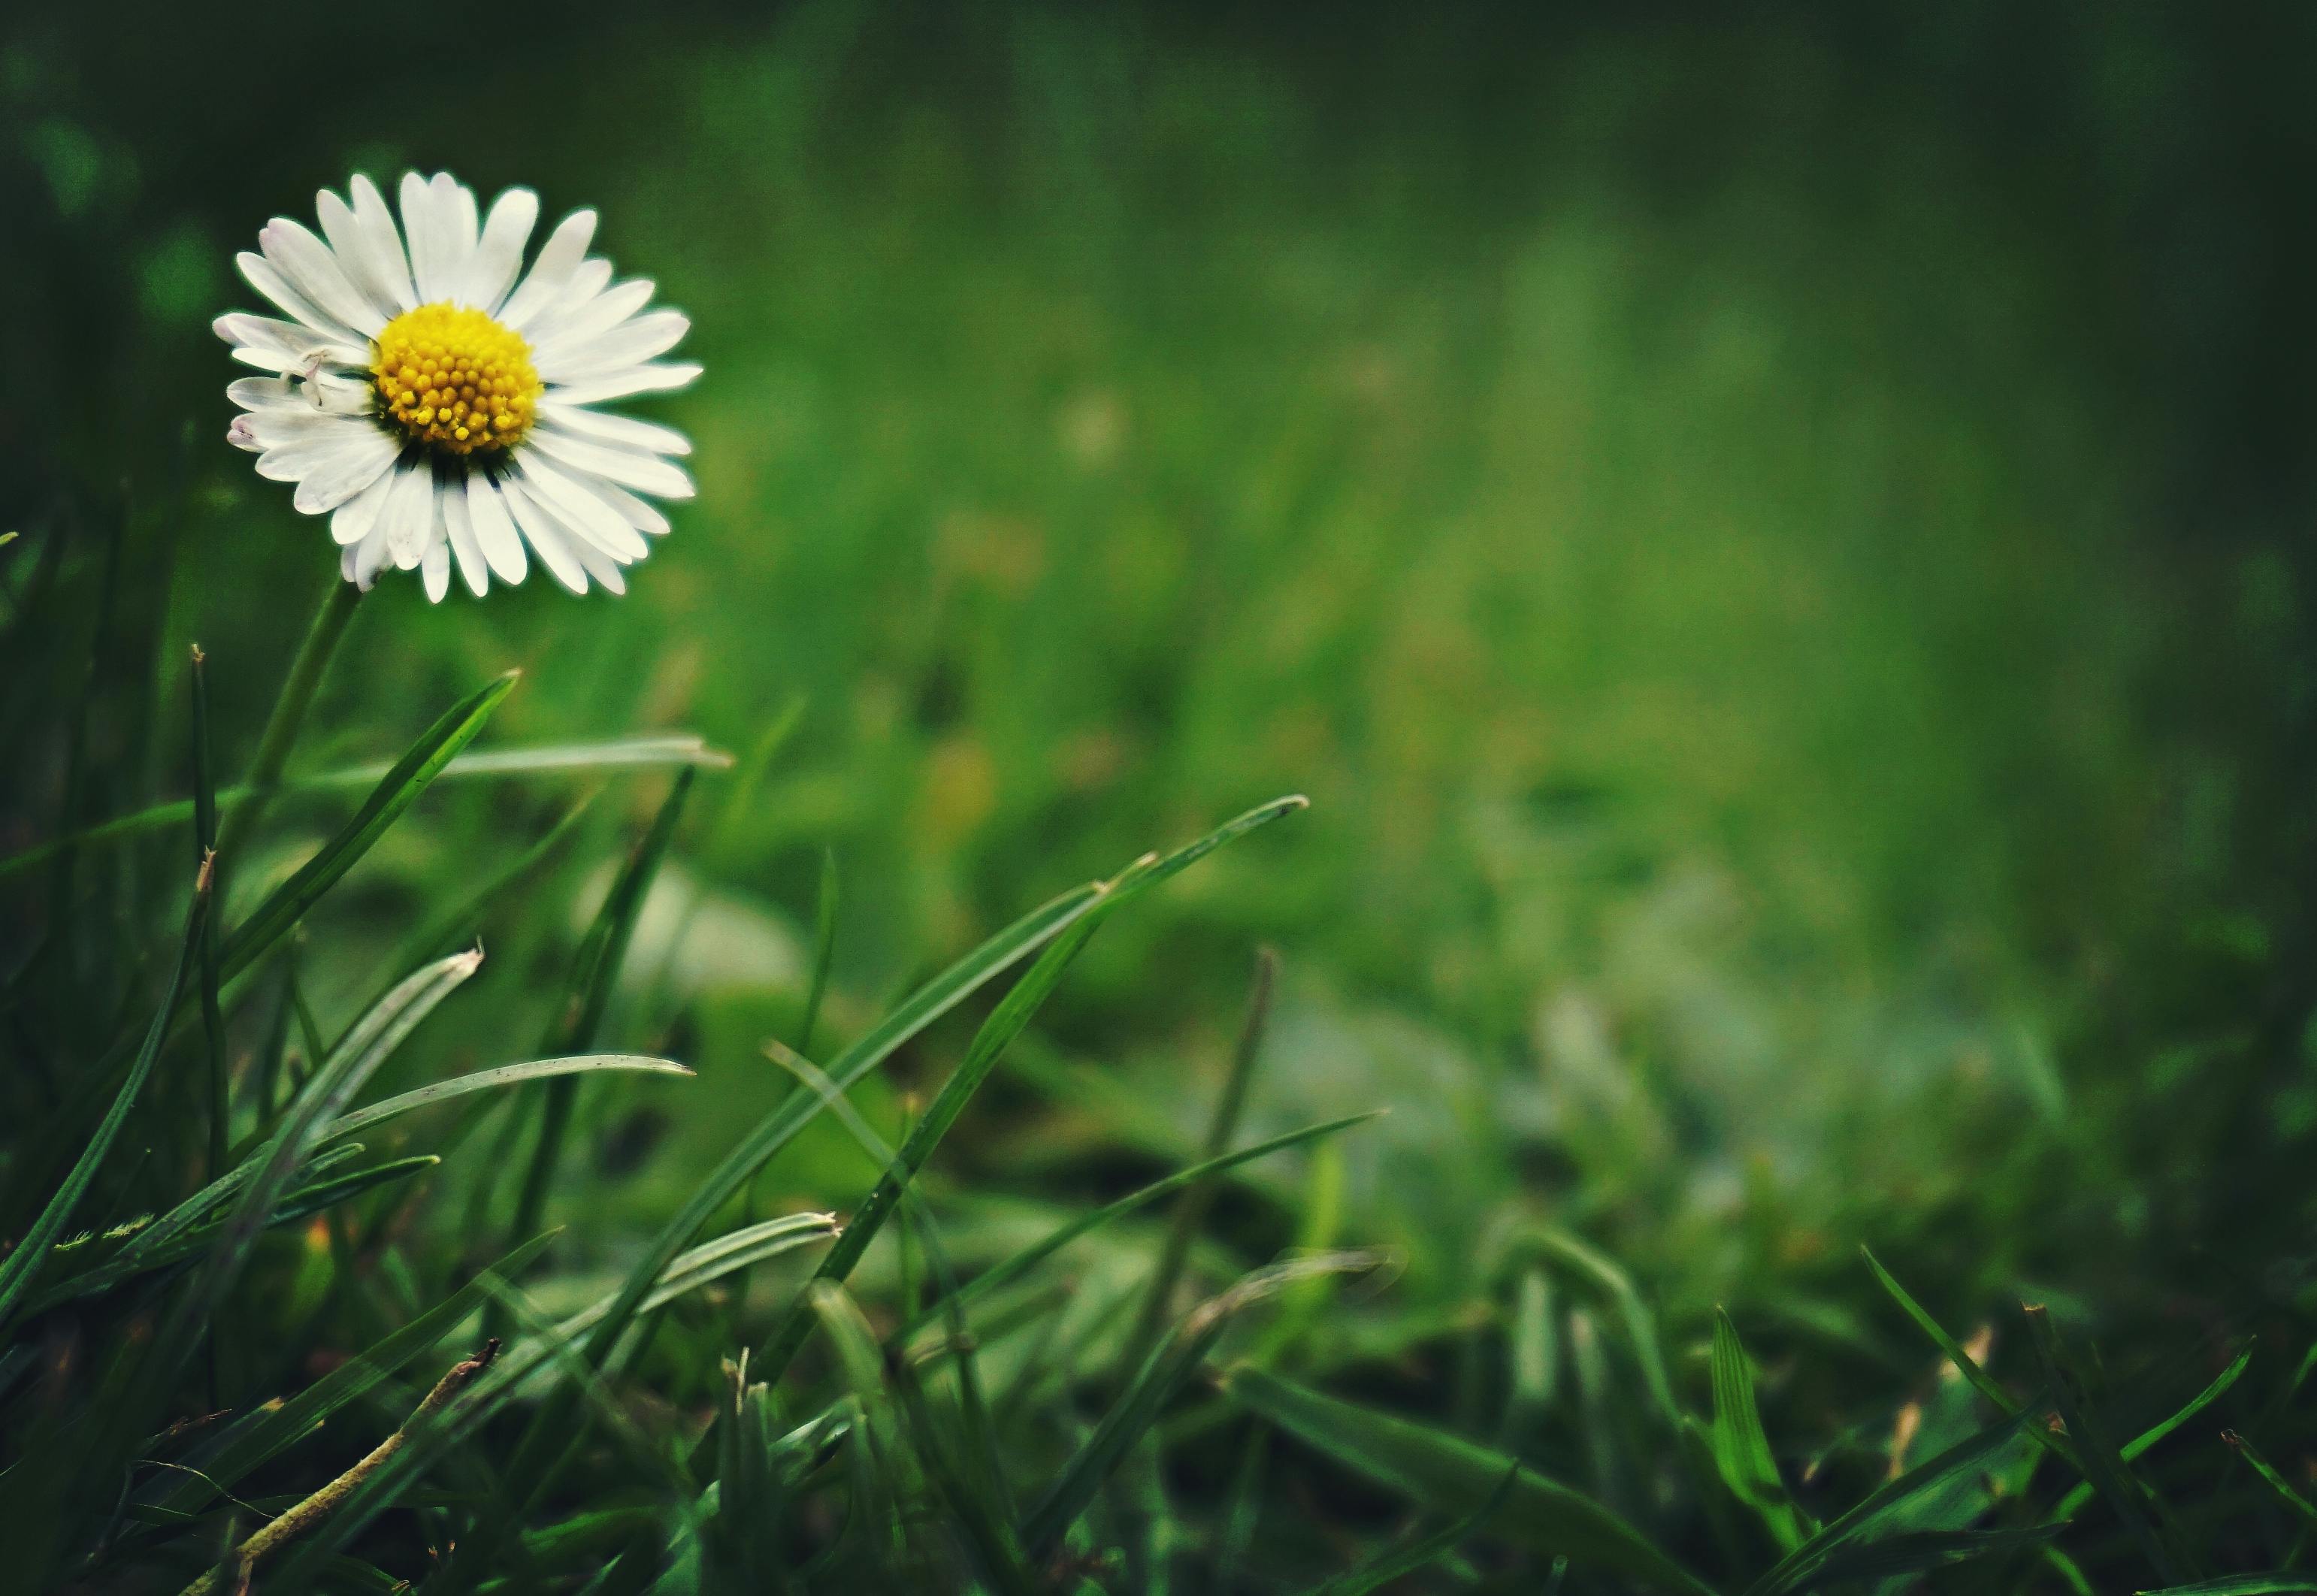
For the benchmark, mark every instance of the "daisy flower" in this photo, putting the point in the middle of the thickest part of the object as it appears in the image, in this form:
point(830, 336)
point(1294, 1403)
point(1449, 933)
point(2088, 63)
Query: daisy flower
point(438, 403)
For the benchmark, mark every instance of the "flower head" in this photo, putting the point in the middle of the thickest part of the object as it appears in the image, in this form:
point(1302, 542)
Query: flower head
point(438, 403)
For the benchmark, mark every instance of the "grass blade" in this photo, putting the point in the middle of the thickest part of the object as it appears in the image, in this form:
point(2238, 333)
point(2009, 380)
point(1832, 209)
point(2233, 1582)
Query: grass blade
point(395, 792)
point(1640, 1324)
point(2242, 1585)
point(1222, 1128)
point(1004, 1024)
point(1179, 1357)
point(2073, 1502)
point(553, 759)
point(593, 973)
point(1423, 1554)
point(1962, 1460)
point(2267, 1471)
point(2103, 1468)
point(1011, 1269)
point(205, 831)
point(1741, 1451)
point(19, 1268)
point(1449, 1473)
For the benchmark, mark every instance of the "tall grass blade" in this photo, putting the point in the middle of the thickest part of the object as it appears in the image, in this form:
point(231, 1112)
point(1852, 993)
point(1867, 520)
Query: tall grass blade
point(2074, 1501)
point(1741, 1451)
point(396, 791)
point(1414, 1558)
point(1449, 1473)
point(2103, 1468)
point(19, 1269)
point(594, 973)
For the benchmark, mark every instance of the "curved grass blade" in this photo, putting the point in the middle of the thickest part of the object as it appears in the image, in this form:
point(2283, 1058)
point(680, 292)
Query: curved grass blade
point(298, 1205)
point(1006, 1022)
point(2242, 1585)
point(19, 1268)
point(1009, 1270)
point(2267, 1471)
point(1919, 1551)
point(1448, 1473)
point(205, 831)
point(340, 1076)
point(1423, 1554)
point(551, 759)
point(688, 1272)
point(588, 993)
point(1640, 1324)
point(2106, 1472)
point(1963, 1459)
point(1741, 1451)
point(2073, 1502)
point(395, 792)
point(264, 1434)
point(1966, 1365)
point(190, 1211)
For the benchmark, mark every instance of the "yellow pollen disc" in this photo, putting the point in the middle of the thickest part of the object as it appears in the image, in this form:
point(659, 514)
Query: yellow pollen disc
point(455, 380)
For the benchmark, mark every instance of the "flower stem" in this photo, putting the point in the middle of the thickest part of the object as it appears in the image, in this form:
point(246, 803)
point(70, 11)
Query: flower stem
point(288, 714)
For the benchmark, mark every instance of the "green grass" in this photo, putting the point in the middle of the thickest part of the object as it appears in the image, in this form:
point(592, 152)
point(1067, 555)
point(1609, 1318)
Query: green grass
point(1779, 784)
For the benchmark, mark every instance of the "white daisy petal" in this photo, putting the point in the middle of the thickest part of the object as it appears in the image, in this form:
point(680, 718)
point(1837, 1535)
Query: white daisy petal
point(276, 427)
point(658, 377)
point(546, 539)
point(351, 521)
point(646, 472)
point(308, 265)
point(601, 313)
point(382, 243)
point(578, 510)
point(633, 342)
point(637, 513)
point(429, 232)
point(331, 395)
point(351, 245)
point(370, 555)
point(624, 431)
point(454, 205)
point(407, 517)
point(284, 346)
point(593, 278)
point(602, 567)
point(355, 463)
point(451, 499)
point(493, 528)
point(499, 254)
point(434, 567)
point(260, 274)
point(550, 273)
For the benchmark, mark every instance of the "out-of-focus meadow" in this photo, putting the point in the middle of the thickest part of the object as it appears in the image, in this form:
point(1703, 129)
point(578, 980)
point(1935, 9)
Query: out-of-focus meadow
point(1778, 550)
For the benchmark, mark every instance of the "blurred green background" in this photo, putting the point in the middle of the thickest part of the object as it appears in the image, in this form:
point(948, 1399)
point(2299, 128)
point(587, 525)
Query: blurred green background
point(1776, 545)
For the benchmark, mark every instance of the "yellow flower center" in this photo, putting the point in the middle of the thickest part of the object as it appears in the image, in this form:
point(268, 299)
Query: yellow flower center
point(455, 380)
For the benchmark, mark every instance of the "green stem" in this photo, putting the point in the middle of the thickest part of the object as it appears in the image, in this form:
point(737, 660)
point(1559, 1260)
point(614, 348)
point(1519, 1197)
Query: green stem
point(288, 715)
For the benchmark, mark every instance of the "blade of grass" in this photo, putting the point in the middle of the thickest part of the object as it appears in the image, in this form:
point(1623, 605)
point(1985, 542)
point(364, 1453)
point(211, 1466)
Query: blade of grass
point(1191, 1213)
point(1421, 1555)
point(1968, 1367)
point(2268, 1472)
point(2103, 1468)
point(1179, 1356)
point(551, 759)
point(1013, 1012)
point(395, 792)
point(1964, 1458)
point(1919, 1551)
point(297, 1205)
point(1449, 1473)
point(1641, 1325)
point(1741, 1450)
point(290, 707)
point(267, 1432)
point(2073, 1502)
point(188, 1212)
point(2242, 1585)
point(588, 993)
point(205, 831)
point(824, 949)
point(1007, 1271)
point(19, 1269)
